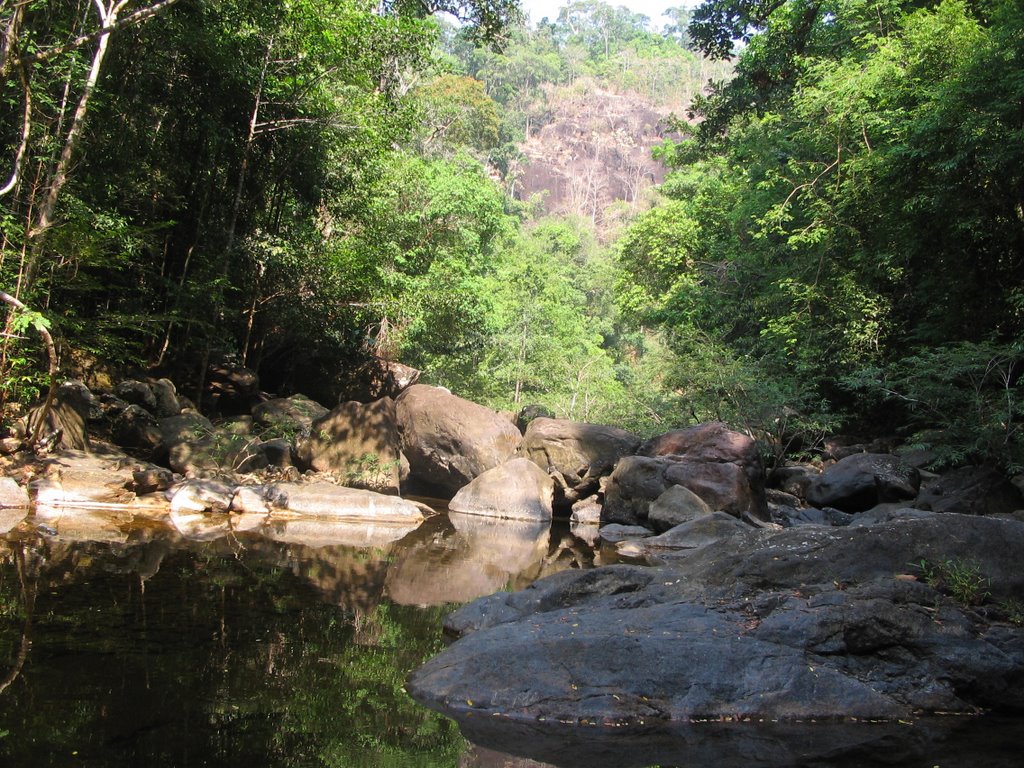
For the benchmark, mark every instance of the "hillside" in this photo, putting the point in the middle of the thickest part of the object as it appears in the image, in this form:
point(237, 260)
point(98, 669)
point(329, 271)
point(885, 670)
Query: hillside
point(595, 151)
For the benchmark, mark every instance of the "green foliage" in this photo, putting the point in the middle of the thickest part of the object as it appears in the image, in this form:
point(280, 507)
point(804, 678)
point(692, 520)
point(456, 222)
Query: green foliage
point(853, 217)
point(960, 579)
point(368, 471)
point(290, 658)
point(549, 325)
point(22, 373)
point(963, 401)
point(459, 113)
point(1014, 611)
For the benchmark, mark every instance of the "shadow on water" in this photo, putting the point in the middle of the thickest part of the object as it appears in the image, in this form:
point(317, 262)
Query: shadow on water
point(126, 644)
point(935, 742)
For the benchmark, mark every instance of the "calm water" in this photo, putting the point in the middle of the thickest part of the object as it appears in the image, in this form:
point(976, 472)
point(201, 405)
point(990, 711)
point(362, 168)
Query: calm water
point(133, 646)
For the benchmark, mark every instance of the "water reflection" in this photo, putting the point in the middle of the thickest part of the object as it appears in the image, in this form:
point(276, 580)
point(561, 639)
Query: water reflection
point(315, 532)
point(130, 643)
point(92, 525)
point(9, 518)
point(470, 556)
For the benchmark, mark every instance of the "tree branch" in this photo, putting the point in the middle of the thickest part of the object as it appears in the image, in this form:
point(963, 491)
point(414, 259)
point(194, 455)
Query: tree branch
point(26, 130)
point(139, 16)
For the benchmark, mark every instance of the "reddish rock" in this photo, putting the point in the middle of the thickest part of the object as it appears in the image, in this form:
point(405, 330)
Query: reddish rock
point(449, 441)
point(720, 466)
point(581, 453)
point(358, 442)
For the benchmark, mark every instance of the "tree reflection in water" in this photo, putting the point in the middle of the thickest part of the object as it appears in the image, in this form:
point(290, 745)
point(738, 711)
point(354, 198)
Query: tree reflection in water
point(126, 644)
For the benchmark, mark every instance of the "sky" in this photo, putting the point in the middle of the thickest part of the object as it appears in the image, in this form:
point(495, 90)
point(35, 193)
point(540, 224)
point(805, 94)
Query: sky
point(538, 9)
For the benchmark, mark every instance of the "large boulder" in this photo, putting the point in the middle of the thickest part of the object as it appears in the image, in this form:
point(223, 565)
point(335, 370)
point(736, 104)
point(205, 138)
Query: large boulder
point(863, 480)
point(11, 517)
point(158, 396)
point(136, 393)
point(740, 469)
point(12, 494)
point(231, 389)
point(76, 478)
point(971, 491)
point(198, 507)
point(581, 454)
point(374, 379)
point(288, 416)
point(135, 427)
point(793, 479)
point(199, 495)
point(804, 623)
point(517, 490)
point(685, 538)
point(449, 441)
point(357, 442)
point(218, 451)
point(720, 466)
point(183, 428)
point(677, 505)
point(65, 419)
point(166, 396)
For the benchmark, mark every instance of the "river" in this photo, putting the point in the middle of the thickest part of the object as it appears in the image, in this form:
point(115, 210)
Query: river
point(129, 645)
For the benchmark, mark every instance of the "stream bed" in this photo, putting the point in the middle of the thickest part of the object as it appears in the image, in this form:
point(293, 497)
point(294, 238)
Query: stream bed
point(127, 644)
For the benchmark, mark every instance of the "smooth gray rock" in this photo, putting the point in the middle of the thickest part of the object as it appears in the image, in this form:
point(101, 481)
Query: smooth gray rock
point(516, 490)
point(613, 533)
point(689, 536)
point(970, 491)
point(859, 482)
point(677, 505)
point(803, 623)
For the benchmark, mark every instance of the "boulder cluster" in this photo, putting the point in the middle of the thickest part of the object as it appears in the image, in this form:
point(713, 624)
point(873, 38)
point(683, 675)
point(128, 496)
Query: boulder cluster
point(854, 586)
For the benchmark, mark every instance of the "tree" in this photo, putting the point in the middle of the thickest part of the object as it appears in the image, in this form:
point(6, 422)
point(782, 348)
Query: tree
point(678, 27)
point(459, 114)
point(815, 231)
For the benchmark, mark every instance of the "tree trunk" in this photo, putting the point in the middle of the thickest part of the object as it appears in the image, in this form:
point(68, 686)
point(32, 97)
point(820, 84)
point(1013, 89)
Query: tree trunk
point(58, 178)
point(236, 207)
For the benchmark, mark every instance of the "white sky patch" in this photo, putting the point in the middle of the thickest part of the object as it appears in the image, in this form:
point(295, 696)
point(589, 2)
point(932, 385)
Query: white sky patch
point(538, 9)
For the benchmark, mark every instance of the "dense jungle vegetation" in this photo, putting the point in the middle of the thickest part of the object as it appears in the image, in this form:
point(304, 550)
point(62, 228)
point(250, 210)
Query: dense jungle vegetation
point(304, 184)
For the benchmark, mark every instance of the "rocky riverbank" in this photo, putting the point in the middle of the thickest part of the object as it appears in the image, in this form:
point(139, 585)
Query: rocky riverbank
point(856, 586)
point(810, 623)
